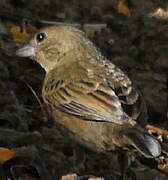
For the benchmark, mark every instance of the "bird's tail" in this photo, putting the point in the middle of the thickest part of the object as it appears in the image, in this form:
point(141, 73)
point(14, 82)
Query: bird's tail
point(144, 142)
point(149, 145)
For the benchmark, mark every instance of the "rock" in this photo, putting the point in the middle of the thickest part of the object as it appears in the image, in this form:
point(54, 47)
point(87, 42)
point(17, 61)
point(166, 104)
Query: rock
point(70, 177)
point(96, 179)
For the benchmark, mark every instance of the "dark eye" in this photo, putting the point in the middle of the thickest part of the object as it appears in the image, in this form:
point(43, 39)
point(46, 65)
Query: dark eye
point(40, 37)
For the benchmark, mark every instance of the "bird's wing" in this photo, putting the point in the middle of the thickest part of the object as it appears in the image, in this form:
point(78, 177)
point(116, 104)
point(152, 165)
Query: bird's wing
point(94, 100)
point(132, 103)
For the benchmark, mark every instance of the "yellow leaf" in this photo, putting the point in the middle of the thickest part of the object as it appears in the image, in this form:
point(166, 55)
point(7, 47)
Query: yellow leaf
point(5, 154)
point(18, 36)
point(90, 32)
point(122, 8)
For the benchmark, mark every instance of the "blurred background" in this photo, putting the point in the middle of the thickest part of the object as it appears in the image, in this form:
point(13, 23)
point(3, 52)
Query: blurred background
point(131, 33)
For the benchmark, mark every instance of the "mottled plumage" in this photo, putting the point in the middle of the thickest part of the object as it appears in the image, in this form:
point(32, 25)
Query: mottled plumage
point(92, 98)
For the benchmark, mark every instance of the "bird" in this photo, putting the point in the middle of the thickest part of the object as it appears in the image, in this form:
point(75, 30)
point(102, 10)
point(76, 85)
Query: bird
point(93, 99)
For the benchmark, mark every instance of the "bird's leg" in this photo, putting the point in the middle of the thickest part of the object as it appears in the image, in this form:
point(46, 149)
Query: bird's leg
point(124, 160)
point(123, 163)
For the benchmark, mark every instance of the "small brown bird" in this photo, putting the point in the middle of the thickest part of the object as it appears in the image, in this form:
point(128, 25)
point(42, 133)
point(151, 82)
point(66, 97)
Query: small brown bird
point(92, 98)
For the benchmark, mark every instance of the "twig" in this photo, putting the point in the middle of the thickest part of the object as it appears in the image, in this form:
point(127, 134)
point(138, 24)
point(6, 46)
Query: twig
point(155, 129)
point(37, 98)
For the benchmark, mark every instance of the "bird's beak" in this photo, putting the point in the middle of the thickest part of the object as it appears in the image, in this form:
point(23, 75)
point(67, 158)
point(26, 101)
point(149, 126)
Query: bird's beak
point(25, 51)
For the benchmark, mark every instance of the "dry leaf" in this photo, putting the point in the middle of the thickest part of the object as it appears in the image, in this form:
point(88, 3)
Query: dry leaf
point(90, 32)
point(122, 8)
point(5, 154)
point(18, 36)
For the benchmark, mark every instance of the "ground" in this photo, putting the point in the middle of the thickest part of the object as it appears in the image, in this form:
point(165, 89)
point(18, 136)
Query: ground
point(136, 42)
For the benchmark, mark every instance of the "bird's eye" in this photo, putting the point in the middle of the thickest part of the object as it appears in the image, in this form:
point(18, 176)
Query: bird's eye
point(40, 37)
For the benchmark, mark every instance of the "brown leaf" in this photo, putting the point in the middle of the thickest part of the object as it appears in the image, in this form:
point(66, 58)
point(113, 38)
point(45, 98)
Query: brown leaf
point(90, 32)
point(122, 8)
point(5, 154)
point(18, 36)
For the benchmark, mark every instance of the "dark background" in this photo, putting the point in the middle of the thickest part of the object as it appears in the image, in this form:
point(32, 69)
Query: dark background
point(136, 43)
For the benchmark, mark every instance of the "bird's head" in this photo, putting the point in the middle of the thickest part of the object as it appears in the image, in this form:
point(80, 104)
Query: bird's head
point(50, 45)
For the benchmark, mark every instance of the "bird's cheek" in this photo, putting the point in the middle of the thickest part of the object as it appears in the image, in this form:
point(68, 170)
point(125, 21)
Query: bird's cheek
point(39, 56)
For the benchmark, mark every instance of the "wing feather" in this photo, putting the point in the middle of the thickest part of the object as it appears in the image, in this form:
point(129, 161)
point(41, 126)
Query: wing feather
point(86, 100)
point(93, 99)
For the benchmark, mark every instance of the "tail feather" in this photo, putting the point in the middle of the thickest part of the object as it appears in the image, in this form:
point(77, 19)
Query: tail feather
point(145, 143)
